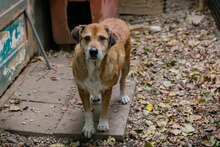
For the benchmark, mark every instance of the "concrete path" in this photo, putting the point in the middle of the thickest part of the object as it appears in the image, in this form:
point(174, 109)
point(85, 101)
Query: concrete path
point(43, 102)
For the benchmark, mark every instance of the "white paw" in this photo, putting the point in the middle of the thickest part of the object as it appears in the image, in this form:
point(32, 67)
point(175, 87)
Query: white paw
point(88, 130)
point(125, 99)
point(96, 98)
point(103, 125)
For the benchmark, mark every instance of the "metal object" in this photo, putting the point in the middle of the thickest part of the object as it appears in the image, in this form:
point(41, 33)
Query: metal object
point(38, 39)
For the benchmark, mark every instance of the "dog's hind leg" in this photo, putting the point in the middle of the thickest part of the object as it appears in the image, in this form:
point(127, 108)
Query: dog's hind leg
point(88, 128)
point(103, 125)
point(124, 72)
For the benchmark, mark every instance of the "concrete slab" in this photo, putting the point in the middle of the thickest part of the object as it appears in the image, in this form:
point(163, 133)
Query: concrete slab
point(73, 120)
point(28, 122)
point(39, 87)
point(37, 90)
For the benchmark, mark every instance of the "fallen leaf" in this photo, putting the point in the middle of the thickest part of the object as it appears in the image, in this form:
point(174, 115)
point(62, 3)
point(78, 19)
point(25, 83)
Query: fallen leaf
point(175, 126)
point(111, 141)
point(188, 110)
point(167, 83)
point(64, 108)
point(175, 139)
point(57, 145)
point(41, 58)
point(1, 131)
point(36, 110)
point(162, 123)
point(6, 106)
point(55, 78)
point(16, 93)
point(15, 101)
point(25, 107)
point(147, 144)
point(149, 107)
point(14, 108)
point(187, 130)
point(72, 101)
point(136, 32)
point(74, 144)
point(34, 91)
point(60, 65)
point(206, 142)
point(212, 140)
point(162, 105)
point(175, 131)
point(79, 102)
point(52, 106)
point(193, 74)
point(148, 123)
point(145, 112)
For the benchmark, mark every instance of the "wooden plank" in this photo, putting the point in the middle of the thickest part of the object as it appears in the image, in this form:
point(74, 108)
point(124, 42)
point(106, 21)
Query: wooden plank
point(14, 52)
point(110, 9)
point(5, 4)
point(140, 7)
point(11, 12)
point(61, 32)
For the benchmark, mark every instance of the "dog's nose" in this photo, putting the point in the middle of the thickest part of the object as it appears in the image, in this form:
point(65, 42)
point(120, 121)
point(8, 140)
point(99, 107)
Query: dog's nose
point(93, 52)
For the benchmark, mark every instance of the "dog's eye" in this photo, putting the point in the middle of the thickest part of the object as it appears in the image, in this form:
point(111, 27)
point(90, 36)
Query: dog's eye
point(102, 38)
point(87, 38)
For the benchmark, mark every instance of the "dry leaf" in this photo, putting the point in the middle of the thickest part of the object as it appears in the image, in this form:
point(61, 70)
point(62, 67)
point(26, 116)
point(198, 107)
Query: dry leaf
point(55, 78)
point(14, 108)
point(36, 110)
point(79, 102)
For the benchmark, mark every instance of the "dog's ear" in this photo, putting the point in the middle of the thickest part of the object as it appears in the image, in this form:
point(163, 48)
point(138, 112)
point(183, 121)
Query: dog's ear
point(77, 31)
point(112, 37)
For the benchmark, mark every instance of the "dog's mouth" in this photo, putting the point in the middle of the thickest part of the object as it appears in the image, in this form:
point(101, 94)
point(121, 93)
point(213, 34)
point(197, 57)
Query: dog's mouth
point(93, 58)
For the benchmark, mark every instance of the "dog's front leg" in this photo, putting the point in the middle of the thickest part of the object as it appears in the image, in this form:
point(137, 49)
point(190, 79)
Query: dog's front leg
point(103, 120)
point(88, 128)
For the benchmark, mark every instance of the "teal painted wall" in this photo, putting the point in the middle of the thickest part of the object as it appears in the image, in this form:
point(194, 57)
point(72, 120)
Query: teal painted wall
point(13, 51)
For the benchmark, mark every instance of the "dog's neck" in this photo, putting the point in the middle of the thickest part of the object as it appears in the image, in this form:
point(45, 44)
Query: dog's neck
point(93, 67)
point(95, 64)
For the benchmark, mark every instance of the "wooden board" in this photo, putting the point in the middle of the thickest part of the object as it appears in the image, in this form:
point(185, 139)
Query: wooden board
point(13, 51)
point(140, 7)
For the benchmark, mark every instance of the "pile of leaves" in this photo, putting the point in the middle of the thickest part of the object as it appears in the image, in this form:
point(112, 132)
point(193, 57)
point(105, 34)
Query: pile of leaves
point(178, 83)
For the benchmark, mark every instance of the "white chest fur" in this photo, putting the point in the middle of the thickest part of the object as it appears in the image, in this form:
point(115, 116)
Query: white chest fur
point(93, 83)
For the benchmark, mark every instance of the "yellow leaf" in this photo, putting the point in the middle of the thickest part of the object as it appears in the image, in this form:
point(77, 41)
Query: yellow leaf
point(52, 106)
point(213, 72)
point(175, 139)
point(137, 32)
point(149, 107)
point(171, 93)
point(171, 122)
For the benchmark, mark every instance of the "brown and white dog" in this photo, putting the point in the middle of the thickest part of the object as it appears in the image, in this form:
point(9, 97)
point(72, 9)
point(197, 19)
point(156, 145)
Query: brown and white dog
point(102, 53)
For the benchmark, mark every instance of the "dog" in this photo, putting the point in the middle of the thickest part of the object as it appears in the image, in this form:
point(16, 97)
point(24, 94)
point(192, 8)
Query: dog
point(101, 54)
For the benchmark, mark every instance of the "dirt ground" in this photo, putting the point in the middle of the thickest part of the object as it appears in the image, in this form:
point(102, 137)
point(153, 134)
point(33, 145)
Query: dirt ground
point(177, 100)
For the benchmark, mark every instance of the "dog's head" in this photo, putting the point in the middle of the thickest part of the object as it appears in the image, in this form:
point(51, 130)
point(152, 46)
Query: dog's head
point(94, 39)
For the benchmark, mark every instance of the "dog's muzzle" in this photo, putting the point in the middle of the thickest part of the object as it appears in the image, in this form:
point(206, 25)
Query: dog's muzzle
point(93, 52)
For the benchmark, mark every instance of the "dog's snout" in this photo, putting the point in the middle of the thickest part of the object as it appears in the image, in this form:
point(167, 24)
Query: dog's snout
point(93, 52)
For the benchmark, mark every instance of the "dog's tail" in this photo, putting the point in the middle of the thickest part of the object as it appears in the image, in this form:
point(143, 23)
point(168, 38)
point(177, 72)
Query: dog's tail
point(145, 27)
